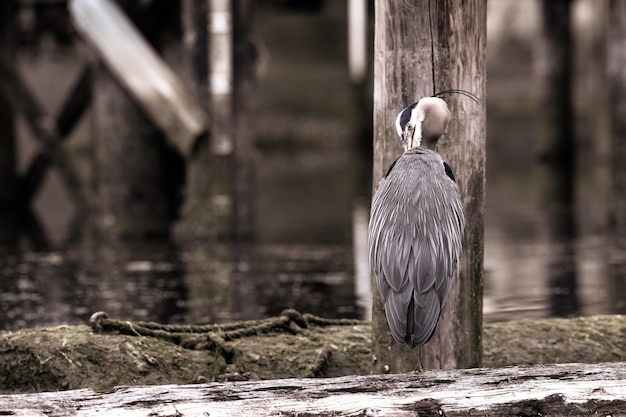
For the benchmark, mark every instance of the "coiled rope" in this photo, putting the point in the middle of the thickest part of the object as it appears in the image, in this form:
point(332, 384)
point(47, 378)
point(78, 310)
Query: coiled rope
point(214, 336)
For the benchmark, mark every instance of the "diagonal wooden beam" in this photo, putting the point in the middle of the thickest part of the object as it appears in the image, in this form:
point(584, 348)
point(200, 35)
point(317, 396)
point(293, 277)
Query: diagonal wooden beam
point(75, 104)
point(71, 112)
point(139, 68)
point(42, 127)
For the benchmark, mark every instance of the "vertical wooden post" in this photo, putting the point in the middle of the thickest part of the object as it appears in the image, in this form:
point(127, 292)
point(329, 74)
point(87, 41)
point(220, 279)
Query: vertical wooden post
point(244, 80)
point(402, 74)
point(199, 217)
point(209, 196)
point(357, 41)
point(220, 173)
point(9, 196)
point(422, 47)
point(138, 175)
point(558, 151)
point(460, 62)
point(8, 174)
point(220, 83)
point(616, 67)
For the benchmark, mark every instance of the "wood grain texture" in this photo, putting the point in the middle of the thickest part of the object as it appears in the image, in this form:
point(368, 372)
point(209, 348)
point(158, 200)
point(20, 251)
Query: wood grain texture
point(460, 59)
point(554, 390)
point(422, 47)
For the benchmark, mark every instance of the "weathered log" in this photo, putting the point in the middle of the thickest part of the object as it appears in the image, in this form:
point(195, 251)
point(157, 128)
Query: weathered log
point(555, 390)
point(125, 353)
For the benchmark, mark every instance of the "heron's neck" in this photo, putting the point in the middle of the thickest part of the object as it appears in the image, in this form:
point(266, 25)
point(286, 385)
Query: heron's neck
point(429, 143)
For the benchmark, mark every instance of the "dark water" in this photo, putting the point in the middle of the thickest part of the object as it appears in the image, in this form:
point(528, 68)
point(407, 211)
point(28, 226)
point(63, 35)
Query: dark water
point(305, 259)
point(307, 184)
point(159, 281)
point(62, 271)
point(71, 274)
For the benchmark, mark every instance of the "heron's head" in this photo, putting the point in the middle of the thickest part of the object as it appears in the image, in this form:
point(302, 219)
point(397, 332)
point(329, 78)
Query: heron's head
point(423, 123)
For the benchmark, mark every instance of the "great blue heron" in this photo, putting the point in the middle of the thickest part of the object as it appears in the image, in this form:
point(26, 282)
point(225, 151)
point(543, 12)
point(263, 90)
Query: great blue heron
point(416, 226)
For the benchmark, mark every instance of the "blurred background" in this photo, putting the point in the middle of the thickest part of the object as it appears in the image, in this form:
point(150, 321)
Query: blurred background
point(99, 210)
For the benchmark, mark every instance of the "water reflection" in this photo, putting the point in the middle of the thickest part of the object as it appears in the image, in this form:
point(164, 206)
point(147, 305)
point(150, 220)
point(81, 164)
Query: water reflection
point(545, 255)
point(135, 279)
point(562, 275)
point(534, 268)
point(546, 250)
point(529, 272)
point(159, 281)
point(562, 267)
point(617, 279)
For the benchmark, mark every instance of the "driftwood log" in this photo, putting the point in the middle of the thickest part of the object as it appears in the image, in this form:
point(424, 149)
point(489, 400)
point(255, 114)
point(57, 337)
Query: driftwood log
point(545, 390)
point(288, 350)
point(288, 346)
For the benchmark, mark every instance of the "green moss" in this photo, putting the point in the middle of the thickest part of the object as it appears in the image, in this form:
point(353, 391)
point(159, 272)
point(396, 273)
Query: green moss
point(71, 357)
point(49, 359)
point(584, 339)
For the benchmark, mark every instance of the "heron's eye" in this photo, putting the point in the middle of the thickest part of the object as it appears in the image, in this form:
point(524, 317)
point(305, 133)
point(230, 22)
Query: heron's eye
point(409, 127)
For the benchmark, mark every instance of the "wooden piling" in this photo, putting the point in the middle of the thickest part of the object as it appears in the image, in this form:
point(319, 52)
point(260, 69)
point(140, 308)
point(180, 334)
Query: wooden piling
point(557, 152)
point(207, 211)
point(420, 48)
point(244, 82)
point(8, 173)
point(616, 74)
point(8, 180)
point(219, 190)
point(138, 175)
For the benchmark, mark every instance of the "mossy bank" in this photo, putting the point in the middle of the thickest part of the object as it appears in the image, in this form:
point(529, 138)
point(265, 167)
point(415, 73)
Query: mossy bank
point(72, 357)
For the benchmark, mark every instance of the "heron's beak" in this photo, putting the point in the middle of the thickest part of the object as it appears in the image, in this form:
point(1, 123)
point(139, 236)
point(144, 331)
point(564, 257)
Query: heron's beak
point(416, 139)
point(406, 140)
point(412, 137)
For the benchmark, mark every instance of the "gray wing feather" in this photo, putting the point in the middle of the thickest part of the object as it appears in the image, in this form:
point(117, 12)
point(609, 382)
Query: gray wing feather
point(415, 234)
